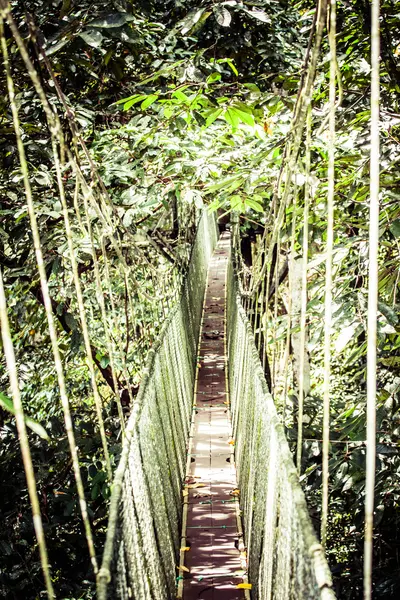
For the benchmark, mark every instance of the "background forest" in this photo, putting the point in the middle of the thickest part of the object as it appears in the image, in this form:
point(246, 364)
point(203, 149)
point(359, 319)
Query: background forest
point(181, 105)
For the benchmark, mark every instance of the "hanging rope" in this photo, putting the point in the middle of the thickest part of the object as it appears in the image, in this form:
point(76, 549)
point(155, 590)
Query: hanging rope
point(372, 300)
point(275, 318)
point(22, 433)
point(328, 271)
point(101, 302)
point(64, 161)
point(58, 150)
point(292, 148)
point(303, 313)
point(48, 305)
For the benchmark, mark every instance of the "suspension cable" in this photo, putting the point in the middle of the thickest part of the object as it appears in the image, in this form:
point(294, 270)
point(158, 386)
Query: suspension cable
point(274, 329)
point(372, 301)
point(23, 436)
point(328, 271)
point(290, 303)
point(48, 308)
point(100, 300)
point(303, 310)
point(296, 132)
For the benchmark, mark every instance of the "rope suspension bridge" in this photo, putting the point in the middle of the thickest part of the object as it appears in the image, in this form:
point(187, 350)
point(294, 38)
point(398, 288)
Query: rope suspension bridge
point(205, 501)
point(232, 408)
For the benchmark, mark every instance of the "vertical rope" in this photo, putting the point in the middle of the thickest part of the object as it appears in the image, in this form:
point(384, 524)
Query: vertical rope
point(260, 325)
point(81, 307)
point(303, 313)
point(274, 346)
point(48, 308)
point(284, 557)
point(267, 277)
point(328, 272)
point(58, 150)
point(298, 123)
point(22, 433)
point(100, 300)
point(107, 280)
point(372, 301)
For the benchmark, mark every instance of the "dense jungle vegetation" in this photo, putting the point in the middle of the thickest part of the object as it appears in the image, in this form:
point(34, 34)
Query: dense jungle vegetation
point(181, 104)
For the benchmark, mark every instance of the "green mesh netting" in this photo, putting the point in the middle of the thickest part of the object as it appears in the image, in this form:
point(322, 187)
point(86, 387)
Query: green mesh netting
point(144, 527)
point(285, 558)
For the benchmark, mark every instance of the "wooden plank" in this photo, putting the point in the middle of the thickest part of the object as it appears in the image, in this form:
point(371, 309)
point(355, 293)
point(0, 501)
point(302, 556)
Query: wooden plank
point(212, 528)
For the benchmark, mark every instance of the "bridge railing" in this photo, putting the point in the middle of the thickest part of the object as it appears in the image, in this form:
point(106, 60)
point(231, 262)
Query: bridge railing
point(286, 560)
point(143, 535)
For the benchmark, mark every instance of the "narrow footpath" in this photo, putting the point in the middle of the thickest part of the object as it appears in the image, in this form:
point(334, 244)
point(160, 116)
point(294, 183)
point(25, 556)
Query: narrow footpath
point(213, 558)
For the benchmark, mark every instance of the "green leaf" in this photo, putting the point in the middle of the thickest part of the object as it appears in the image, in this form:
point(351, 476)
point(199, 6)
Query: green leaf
point(57, 46)
point(348, 485)
point(149, 101)
point(215, 205)
point(70, 321)
point(191, 19)
point(161, 72)
point(392, 361)
point(229, 61)
point(252, 87)
point(110, 21)
point(213, 116)
point(232, 117)
point(92, 37)
point(232, 66)
point(223, 183)
point(37, 428)
point(235, 185)
point(104, 362)
point(260, 15)
point(213, 77)
point(129, 217)
point(236, 202)
point(180, 96)
point(124, 100)
point(254, 205)
point(8, 405)
point(125, 34)
point(346, 335)
point(133, 101)
point(222, 16)
point(388, 312)
point(109, 56)
point(395, 228)
point(244, 115)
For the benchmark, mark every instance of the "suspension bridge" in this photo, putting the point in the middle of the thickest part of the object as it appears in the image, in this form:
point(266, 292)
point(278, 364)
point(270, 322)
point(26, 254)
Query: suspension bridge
point(206, 501)
point(206, 473)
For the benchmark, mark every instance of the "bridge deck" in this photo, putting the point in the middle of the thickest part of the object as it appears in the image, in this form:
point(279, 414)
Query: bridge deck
point(211, 522)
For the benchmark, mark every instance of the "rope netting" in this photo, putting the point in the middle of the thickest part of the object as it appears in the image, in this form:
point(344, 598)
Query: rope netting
point(143, 533)
point(285, 559)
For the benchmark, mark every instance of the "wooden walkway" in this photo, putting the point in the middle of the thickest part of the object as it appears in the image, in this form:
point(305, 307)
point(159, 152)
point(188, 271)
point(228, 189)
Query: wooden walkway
point(213, 558)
